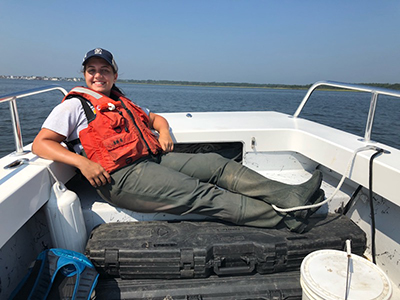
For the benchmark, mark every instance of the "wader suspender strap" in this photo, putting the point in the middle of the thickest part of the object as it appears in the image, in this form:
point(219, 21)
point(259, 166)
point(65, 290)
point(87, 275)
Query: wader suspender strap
point(90, 116)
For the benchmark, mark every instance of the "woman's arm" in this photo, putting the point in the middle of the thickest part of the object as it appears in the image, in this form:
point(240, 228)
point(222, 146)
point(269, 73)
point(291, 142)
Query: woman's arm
point(161, 125)
point(47, 145)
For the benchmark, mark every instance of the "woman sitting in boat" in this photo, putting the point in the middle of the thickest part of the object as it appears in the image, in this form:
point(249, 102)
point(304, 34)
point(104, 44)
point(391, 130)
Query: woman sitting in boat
point(131, 168)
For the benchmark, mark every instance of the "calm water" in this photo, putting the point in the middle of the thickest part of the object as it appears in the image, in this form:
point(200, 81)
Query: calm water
point(342, 110)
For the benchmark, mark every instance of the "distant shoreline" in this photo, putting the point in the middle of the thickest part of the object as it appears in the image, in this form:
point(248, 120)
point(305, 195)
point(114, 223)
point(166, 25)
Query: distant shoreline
point(214, 84)
point(393, 86)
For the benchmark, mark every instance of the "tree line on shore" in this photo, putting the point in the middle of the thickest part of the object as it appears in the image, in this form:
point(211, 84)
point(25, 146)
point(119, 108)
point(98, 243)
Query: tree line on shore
point(394, 86)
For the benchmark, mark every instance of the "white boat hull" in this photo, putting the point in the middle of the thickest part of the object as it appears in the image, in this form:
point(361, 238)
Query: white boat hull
point(274, 144)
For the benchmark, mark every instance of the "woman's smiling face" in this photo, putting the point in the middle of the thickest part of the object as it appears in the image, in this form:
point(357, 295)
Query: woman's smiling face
point(100, 75)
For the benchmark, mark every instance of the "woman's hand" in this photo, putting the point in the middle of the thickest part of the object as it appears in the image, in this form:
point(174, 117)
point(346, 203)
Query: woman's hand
point(94, 173)
point(166, 142)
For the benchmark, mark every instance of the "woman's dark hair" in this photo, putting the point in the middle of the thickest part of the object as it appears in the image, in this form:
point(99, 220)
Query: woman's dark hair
point(117, 89)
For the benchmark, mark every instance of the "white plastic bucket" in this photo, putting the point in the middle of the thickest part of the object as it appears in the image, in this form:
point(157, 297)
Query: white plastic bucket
point(324, 275)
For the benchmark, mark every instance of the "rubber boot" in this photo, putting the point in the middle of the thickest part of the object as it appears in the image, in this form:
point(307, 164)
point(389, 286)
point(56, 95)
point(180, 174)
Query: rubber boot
point(242, 180)
point(298, 223)
point(257, 213)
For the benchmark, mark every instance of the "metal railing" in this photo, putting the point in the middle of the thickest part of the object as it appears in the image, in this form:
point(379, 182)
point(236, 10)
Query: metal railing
point(375, 91)
point(12, 99)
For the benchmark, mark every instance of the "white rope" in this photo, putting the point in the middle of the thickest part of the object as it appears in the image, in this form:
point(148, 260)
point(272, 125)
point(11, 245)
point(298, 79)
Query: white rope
point(285, 210)
point(60, 185)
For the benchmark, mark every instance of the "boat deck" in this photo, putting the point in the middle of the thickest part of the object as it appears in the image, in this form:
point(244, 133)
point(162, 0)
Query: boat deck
point(277, 145)
point(305, 142)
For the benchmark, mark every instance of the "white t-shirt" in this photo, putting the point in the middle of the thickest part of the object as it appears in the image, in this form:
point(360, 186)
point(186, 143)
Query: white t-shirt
point(68, 119)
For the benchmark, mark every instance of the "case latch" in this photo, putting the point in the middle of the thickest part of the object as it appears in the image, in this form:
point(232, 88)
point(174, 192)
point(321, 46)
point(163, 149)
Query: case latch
point(111, 261)
point(187, 263)
point(280, 263)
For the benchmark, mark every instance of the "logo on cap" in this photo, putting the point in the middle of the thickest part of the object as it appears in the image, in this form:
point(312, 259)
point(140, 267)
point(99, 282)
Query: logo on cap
point(98, 51)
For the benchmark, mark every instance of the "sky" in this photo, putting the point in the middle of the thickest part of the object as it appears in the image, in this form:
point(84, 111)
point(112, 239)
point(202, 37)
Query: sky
point(252, 41)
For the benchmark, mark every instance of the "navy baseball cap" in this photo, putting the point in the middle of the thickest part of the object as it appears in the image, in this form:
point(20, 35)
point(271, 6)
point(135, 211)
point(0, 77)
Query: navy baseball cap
point(102, 53)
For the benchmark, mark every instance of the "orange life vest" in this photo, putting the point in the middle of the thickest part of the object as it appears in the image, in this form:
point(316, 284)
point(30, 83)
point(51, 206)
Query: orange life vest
point(118, 132)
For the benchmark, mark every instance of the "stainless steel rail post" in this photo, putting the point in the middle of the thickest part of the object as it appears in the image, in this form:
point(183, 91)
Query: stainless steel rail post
point(371, 116)
point(16, 126)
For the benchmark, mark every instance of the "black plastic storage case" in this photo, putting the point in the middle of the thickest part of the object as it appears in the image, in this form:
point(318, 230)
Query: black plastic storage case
point(278, 286)
point(167, 250)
